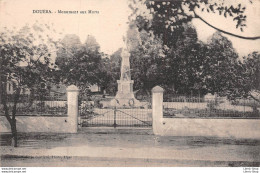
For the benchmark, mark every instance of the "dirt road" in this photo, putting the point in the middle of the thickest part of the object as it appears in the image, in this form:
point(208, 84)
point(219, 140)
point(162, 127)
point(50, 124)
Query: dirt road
point(126, 147)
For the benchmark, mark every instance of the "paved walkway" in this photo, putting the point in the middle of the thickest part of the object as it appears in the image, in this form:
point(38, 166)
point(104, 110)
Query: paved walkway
point(122, 147)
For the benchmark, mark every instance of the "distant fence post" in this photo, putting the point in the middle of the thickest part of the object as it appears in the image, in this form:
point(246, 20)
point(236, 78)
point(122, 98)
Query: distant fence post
point(157, 109)
point(72, 100)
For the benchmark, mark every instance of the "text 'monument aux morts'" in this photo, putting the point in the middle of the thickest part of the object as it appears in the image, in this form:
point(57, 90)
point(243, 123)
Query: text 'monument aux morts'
point(66, 11)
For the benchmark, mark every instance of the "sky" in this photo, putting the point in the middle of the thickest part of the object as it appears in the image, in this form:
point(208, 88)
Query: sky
point(243, 47)
point(110, 25)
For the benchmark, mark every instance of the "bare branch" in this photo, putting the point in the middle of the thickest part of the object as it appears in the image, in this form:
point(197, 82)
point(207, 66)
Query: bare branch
point(225, 32)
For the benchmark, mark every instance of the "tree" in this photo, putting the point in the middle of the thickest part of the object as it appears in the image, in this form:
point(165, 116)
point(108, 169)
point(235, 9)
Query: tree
point(245, 81)
point(113, 71)
point(167, 16)
point(147, 52)
point(176, 68)
point(220, 61)
point(182, 64)
point(188, 67)
point(106, 76)
point(91, 43)
point(146, 62)
point(219, 69)
point(79, 63)
point(188, 64)
point(26, 62)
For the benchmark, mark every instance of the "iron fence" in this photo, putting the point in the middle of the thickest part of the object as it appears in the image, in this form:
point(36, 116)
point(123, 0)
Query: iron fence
point(218, 107)
point(37, 105)
point(97, 111)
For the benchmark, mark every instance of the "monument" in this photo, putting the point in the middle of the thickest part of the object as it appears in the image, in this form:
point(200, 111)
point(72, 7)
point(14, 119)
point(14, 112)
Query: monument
point(125, 95)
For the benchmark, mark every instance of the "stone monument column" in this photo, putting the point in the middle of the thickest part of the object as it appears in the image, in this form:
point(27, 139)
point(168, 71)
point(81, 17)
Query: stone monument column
point(125, 95)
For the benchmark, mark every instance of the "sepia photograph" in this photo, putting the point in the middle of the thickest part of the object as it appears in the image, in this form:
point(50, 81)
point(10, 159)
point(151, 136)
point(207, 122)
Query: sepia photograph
point(130, 83)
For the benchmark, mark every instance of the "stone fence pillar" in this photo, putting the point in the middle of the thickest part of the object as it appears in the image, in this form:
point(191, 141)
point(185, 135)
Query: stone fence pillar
point(157, 109)
point(72, 101)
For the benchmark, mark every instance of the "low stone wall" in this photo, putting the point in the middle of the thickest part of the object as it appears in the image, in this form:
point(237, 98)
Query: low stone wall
point(68, 124)
point(39, 124)
point(221, 127)
point(230, 128)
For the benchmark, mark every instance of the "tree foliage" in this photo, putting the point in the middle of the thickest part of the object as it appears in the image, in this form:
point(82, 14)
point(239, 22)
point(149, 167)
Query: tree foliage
point(188, 64)
point(166, 17)
point(25, 63)
point(78, 63)
point(245, 82)
point(113, 65)
point(219, 64)
point(176, 68)
point(147, 53)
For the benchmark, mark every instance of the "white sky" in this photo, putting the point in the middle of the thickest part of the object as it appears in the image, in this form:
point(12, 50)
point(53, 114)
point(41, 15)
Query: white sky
point(243, 47)
point(110, 25)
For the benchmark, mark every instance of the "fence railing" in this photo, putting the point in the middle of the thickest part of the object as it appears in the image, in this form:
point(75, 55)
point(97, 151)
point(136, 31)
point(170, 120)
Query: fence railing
point(219, 107)
point(28, 105)
point(98, 111)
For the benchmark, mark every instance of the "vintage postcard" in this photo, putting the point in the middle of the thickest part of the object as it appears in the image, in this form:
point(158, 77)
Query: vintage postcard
point(129, 83)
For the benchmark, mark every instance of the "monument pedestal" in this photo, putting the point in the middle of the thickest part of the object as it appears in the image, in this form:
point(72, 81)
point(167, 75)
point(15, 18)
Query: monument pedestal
point(125, 95)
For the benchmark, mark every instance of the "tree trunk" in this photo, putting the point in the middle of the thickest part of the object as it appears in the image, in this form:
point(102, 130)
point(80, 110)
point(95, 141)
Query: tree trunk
point(14, 133)
point(4, 101)
point(13, 122)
